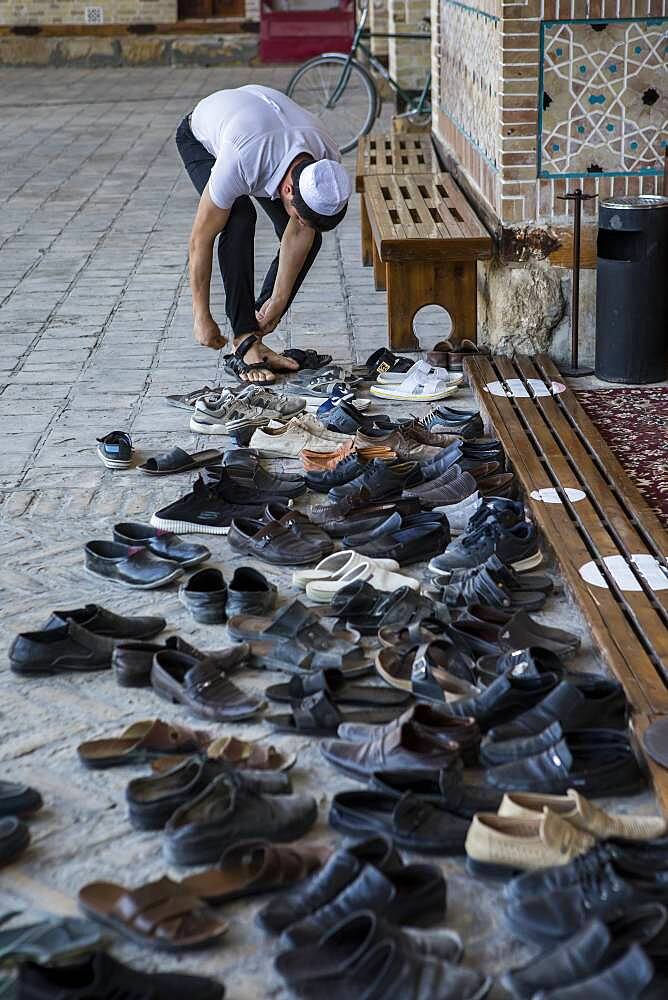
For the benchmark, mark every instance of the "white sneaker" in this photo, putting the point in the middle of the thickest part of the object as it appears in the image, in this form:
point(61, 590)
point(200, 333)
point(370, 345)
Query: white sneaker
point(288, 441)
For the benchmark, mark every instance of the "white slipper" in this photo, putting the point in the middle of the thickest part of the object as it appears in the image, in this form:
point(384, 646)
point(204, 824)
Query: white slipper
point(322, 591)
point(335, 566)
point(395, 378)
point(420, 386)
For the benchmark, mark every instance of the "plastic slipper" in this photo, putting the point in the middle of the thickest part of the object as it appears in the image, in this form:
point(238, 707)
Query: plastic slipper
point(252, 867)
point(307, 360)
point(422, 384)
point(335, 684)
point(161, 915)
point(187, 400)
point(317, 715)
point(292, 621)
point(235, 364)
point(335, 566)
point(428, 671)
point(178, 460)
point(141, 741)
point(249, 755)
point(56, 939)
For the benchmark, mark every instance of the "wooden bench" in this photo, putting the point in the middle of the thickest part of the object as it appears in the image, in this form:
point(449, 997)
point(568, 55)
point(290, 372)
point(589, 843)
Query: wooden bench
point(552, 444)
point(426, 239)
point(388, 154)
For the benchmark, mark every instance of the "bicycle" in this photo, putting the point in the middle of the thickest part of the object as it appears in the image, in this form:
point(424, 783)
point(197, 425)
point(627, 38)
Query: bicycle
point(340, 91)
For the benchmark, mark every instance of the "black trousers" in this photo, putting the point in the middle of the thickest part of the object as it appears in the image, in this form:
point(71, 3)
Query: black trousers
point(236, 243)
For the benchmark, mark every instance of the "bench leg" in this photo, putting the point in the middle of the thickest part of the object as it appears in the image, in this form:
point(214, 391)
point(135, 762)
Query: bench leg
point(367, 236)
point(379, 270)
point(412, 285)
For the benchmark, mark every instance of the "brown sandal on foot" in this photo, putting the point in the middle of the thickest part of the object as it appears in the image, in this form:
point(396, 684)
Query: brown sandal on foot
point(254, 866)
point(140, 742)
point(249, 755)
point(162, 915)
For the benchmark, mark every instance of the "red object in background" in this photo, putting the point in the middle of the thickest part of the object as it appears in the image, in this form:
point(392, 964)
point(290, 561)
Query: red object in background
point(296, 35)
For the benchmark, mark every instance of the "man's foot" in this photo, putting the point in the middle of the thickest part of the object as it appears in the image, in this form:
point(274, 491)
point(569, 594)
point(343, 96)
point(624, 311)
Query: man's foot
point(258, 354)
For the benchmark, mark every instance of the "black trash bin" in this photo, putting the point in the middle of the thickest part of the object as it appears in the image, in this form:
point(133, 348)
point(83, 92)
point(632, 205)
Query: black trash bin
point(632, 289)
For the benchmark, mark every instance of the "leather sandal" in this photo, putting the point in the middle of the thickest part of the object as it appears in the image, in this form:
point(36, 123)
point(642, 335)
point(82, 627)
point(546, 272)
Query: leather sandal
point(178, 460)
point(435, 671)
point(334, 684)
point(140, 742)
point(250, 755)
point(408, 637)
point(309, 360)
point(235, 364)
point(252, 867)
point(160, 915)
point(317, 715)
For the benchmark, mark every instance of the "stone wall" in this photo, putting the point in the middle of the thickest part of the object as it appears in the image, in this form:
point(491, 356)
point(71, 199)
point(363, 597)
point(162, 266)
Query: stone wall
point(42, 12)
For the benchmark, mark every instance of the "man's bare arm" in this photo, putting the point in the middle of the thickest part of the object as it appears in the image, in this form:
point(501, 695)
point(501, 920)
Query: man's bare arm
point(295, 247)
point(209, 222)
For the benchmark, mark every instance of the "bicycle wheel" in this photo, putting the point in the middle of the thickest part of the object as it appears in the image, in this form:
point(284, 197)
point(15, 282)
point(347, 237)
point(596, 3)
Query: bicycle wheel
point(353, 112)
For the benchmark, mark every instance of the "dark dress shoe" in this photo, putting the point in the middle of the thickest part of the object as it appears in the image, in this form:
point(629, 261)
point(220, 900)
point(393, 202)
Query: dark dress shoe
point(344, 472)
point(60, 650)
point(338, 873)
point(19, 800)
point(202, 687)
point(103, 977)
point(589, 702)
point(99, 621)
point(205, 596)
point(358, 954)
point(589, 950)
point(379, 481)
point(493, 754)
point(413, 823)
point(14, 838)
point(243, 475)
point(277, 543)
point(341, 518)
point(624, 979)
point(131, 565)
point(414, 895)
point(432, 720)
point(223, 814)
point(132, 663)
point(404, 747)
point(250, 593)
point(164, 544)
point(151, 801)
point(445, 788)
point(509, 696)
point(596, 762)
point(528, 662)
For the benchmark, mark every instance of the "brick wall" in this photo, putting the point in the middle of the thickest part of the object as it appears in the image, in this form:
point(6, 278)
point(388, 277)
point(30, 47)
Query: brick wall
point(71, 12)
point(538, 97)
point(378, 21)
point(409, 59)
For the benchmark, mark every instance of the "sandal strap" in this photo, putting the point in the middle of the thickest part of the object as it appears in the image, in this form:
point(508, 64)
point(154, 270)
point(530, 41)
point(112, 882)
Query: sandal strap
point(328, 680)
point(170, 460)
point(422, 679)
point(242, 349)
point(162, 736)
point(290, 620)
point(317, 711)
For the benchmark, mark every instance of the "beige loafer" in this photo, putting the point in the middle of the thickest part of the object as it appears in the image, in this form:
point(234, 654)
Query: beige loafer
point(583, 815)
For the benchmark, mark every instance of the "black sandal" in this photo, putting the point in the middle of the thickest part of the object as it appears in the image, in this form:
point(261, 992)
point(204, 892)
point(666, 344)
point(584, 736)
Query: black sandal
point(307, 359)
point(317, 715)
point(235, 364)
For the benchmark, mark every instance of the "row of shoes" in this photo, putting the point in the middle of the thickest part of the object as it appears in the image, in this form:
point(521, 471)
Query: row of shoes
point(18, 802)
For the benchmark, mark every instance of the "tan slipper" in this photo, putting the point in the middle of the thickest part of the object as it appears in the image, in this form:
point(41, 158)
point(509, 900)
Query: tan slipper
point(140, 742)
point(250, 755)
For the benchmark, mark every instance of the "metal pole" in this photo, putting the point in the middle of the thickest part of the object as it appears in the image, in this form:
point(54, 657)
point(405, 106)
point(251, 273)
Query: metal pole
point(577, 197)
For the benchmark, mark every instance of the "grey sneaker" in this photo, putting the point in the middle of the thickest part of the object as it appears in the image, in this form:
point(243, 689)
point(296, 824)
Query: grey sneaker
point(226, 415)
point(274, 405)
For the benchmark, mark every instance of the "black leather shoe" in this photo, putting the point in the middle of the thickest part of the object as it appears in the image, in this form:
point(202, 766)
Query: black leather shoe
point(242, 480)
point(350, 468)
point(282, 544)
point(205, 596)
point(132, 662)
point(132, 566)
point(587, 703)
point(509, 695)
point(321, 888)
point(379, 481)
point(19, 800)
point(415, 895)
point(60, 650)
point(164, 544)
point(250, 593)
point(102, 622)
point(494, 754)
point(103, 977)
point(420, 537)
point(445, 789)
point(596, 762)
point(14, 838)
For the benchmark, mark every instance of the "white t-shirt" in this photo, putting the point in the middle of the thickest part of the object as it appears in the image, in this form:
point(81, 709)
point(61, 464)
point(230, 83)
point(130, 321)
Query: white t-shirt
point(255, 133)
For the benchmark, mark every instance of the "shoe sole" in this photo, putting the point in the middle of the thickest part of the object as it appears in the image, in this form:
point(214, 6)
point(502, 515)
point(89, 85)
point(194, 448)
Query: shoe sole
point(188, 527)
point(228, 429)
point(114, 463)
point(412, 397)
point(529, 563)
point(395, 682)
point(137, 586)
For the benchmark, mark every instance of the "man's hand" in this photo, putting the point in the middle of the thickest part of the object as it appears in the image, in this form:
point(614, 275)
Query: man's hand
point(207, 333)
point(269, 315)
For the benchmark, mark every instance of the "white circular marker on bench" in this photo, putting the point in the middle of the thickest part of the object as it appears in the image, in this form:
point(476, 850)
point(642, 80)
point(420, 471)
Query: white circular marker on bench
point(516, 389)
point(648, 566)
point(550, 495)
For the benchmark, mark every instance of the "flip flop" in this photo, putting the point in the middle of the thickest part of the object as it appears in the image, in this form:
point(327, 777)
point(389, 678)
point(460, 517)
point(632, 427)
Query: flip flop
point(252, 867)
point(178, 460)
point(187, 400)
point(235, 364)
point(250, 755)
point(140, 742)
point(161, 915)
point(307, 360)
point(335, 684)
point(317, 715)
point(56, 939)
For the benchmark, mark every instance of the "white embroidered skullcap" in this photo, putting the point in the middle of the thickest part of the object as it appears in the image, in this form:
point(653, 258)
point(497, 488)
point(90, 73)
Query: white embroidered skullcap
point(325, 186)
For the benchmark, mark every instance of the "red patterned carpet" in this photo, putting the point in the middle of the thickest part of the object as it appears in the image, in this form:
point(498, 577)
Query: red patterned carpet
point(634, 422)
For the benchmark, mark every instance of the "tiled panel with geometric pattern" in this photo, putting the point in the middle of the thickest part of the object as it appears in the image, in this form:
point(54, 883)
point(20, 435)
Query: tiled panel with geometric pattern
point(604, 95)
point(469, 73)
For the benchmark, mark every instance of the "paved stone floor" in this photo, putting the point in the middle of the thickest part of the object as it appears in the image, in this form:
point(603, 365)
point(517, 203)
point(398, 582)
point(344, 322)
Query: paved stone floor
point(96, 328)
